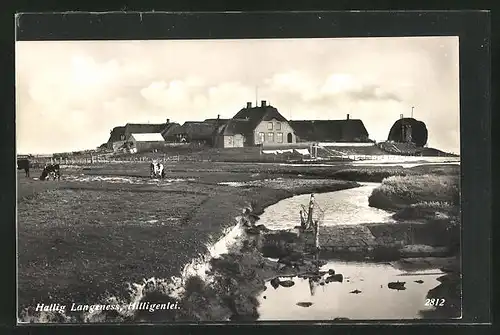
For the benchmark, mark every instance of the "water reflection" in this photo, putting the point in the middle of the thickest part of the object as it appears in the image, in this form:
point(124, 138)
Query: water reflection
point(364, 293)
point(340, 208)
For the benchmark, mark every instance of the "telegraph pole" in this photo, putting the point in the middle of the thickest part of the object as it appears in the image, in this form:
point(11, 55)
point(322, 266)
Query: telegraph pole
point(412, 111)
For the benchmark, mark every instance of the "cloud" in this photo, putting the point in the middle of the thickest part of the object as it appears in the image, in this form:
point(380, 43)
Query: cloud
point(373, 92)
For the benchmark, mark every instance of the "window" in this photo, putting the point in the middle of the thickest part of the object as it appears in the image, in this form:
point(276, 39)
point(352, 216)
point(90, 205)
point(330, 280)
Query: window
point(279, 137)
point(262, 137)
point(122, 137)
point(270, 137)
point(278, 126)
point(269, 126)
point(230, 140)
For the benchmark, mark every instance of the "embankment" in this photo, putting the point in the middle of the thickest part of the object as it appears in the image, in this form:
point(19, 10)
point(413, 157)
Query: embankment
point(431, 204)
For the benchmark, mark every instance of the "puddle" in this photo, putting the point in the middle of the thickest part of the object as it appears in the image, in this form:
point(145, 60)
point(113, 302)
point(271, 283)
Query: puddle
point(364, 293)
point(122, 180)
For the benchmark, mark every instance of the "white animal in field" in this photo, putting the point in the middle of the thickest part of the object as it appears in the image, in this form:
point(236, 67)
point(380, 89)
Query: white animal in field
point(157, 170)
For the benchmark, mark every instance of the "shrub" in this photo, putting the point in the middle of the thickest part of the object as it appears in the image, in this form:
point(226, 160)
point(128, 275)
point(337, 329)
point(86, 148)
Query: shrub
point(397, 192)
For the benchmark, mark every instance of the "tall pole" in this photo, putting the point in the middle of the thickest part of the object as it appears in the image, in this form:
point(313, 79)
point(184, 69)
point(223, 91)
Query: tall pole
point(412, 112)
point(256, 96)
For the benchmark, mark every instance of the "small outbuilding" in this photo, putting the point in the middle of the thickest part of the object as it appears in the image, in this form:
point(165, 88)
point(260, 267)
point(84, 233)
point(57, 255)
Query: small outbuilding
point(146, 141)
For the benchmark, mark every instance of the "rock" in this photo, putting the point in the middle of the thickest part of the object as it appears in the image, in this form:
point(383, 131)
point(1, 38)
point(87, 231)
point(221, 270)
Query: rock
point(275, 282)
point(331, 272)
point(419, 281)
point(287, 283)
point(264, 297)
point(253, 231)
point(304, 304)
point(255, 217)
point(355, 292)
point(399, 285)
point(335, 278)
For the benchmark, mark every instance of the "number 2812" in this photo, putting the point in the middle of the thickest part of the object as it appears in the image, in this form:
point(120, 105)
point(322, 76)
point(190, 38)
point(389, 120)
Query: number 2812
point(434, 302)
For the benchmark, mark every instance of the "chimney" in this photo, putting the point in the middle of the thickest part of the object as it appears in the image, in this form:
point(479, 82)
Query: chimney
point(168, 120)
point(400, 116)
point(249, 105)
point(347, 116)
point(263, 103)
point(218, 116)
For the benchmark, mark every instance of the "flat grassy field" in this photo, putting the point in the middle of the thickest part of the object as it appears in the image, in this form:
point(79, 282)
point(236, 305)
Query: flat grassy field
point(81, 240)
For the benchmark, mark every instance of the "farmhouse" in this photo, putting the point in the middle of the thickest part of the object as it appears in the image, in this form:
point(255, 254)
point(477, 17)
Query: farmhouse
point(196, 132)
point(347, 130)
point(260, 125)
point(120, 134)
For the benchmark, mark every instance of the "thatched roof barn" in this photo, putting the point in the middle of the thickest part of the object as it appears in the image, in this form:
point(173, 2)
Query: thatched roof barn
point(409, 130)
point(348, 130)
point(196, 131)
point(121, 133)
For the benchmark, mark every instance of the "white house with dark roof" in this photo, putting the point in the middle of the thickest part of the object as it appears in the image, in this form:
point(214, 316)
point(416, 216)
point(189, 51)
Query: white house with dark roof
point(260, 125)
point(119, 135)
point(137, 142)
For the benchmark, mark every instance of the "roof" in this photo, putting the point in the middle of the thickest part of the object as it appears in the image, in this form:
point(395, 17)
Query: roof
point(236, 127)
point(419, 132)
point(169, 131)
point(116, 134)
point(247, 119)
point(329, 130)
point(217, 120)
point(147, 137)
point(138, 128)
point(197, 130)
point(141, 128)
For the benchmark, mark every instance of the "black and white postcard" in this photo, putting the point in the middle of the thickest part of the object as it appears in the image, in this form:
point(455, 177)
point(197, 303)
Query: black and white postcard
point(276, 179)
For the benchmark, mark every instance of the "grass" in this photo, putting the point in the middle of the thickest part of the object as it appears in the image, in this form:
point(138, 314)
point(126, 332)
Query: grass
point(82, 241)
point(431, 199)
point(399, 192)
point(82, 244)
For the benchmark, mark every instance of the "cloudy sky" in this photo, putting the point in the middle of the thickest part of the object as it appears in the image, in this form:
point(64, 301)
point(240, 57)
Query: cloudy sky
point(70, 94)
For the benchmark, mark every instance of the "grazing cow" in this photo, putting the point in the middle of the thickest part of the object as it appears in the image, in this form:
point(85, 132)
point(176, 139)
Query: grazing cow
point(157, 170)
point(24, 164)
point(51, 170)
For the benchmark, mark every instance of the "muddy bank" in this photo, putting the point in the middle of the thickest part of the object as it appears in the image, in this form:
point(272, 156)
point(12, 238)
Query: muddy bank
point(427, 209)
point(241, 277)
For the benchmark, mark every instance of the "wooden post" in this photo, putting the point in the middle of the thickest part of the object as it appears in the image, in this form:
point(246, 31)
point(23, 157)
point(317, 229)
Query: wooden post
point(316, 234)
point(309, 221)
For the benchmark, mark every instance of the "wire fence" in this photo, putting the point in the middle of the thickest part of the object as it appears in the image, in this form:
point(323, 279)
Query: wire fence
point(108, 160)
